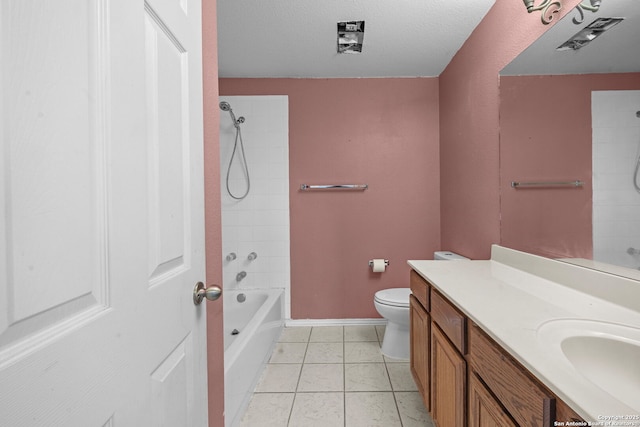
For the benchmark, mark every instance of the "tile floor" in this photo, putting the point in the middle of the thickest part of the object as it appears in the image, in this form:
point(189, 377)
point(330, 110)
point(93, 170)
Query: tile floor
point(334, 376)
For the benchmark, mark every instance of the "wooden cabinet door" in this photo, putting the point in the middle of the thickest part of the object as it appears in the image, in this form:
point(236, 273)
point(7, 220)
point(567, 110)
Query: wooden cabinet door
point(564, 413)
point(419, 328)
point(484, 410)
point(448, 381)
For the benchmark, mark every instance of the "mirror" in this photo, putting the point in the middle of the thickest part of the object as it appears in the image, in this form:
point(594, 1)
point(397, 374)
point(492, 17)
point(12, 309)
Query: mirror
point(569, 116)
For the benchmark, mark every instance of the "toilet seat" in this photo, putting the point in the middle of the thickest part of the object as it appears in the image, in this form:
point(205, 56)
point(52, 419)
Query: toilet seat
point(396, 297)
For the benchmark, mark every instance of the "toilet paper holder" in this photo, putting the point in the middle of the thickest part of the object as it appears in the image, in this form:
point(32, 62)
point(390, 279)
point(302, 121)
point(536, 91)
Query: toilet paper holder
point(386, 263)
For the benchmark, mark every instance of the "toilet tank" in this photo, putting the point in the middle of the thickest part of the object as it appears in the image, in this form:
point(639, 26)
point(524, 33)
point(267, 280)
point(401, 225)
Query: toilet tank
point(448, 256)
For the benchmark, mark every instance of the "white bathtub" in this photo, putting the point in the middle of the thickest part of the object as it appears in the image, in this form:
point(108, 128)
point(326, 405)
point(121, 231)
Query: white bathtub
point(259, 322)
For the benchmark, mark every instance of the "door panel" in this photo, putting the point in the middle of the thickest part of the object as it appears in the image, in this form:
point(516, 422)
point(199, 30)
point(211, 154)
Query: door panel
point(54, 282)
point(172, 387)
point(101, 223)
point(175, 211)
point(53, 175)
point(168, 136)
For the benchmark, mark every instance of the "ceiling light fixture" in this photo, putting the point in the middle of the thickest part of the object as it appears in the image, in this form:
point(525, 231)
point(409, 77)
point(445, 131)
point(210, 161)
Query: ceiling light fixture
point(550, 7)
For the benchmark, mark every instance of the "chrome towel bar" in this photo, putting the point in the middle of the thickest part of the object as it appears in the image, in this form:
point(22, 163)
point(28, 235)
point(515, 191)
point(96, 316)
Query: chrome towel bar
point(575, 183)
point(361, 187)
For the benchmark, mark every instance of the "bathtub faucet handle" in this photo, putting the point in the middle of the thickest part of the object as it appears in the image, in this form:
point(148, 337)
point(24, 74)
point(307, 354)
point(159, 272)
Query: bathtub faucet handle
point(241, 276)
point(252, 256)
point(231, 256)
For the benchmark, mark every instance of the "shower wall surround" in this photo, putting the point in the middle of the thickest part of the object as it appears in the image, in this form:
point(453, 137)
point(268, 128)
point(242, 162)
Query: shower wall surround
point(260, 222)
point(616, 204)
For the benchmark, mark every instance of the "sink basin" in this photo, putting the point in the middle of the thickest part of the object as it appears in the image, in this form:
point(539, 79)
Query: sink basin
point(606, 354)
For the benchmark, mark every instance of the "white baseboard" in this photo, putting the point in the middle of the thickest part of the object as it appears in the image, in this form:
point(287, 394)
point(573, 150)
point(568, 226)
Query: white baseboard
point(334, 322)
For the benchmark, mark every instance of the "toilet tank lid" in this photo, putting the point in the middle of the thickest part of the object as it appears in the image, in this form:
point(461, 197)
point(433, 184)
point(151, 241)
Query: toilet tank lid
point(394, 296)
point(447, 256)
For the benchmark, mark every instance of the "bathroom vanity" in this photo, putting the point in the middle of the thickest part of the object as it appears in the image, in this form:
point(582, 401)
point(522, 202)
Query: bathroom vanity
point(521, 340)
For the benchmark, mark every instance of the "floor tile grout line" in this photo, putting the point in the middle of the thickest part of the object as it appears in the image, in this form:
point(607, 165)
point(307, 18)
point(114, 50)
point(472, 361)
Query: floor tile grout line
point(344, 363)
point(344, 381)
point(295, 394)
point(393, 391)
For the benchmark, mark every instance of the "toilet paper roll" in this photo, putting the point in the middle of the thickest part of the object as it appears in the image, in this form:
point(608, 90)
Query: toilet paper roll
point(378, 266)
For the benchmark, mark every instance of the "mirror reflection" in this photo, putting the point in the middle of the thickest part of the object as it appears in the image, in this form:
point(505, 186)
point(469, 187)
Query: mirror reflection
point(574, 115)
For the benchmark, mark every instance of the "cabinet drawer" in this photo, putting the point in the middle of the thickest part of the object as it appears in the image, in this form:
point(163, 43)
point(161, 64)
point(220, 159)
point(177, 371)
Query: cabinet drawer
point(450, 320)
point(527, 402)
point(419, 289)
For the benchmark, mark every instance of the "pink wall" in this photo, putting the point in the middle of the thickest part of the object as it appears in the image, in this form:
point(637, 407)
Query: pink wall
point(469, 129)
point(545, 134)
point(382, 132)
point(213, 238)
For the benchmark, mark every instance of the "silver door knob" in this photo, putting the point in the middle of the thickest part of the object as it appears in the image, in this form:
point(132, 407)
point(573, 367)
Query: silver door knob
point(200, 292)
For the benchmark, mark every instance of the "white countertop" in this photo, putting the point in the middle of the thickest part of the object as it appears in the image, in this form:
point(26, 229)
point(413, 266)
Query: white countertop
point(512, 295)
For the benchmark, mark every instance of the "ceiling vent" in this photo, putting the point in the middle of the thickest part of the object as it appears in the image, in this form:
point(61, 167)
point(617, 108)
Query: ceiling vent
point(350, 36)
point(589, 33)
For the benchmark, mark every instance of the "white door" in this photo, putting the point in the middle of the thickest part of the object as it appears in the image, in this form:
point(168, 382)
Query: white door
point(101, 213)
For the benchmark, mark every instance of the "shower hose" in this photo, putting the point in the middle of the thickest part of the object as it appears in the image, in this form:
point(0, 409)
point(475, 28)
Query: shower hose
point(245, 167)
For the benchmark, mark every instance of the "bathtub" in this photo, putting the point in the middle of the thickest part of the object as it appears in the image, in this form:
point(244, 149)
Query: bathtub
point(258, 322)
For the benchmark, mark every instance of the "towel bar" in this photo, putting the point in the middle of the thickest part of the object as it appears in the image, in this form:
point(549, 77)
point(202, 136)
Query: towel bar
point(306, 187)
point(576, 183)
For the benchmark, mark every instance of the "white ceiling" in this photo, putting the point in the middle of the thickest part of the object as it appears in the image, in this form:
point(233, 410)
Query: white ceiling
point(298, 38)
point(402, 38)
point(615, 51)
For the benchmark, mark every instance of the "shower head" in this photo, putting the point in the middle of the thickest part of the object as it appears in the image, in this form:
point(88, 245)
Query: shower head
point(225, 106)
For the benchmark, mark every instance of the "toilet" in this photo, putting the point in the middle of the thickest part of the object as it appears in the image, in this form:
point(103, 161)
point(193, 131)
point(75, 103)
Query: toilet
point(393, 305)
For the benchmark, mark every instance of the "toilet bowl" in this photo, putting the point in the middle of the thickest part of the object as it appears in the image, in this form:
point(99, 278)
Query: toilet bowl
point(393, 305)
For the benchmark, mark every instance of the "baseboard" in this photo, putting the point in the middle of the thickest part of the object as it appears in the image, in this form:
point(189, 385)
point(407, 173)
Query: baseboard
point(334, 322)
